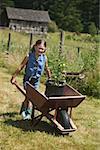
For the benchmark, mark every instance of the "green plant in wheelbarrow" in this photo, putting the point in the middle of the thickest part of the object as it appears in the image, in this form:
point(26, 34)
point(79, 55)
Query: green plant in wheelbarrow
point(54, 86)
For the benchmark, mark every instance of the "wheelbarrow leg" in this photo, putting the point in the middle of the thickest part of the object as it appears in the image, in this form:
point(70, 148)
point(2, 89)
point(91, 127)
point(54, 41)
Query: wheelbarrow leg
point(37, 119)
point(33, 111)
point(22, 108)
point(24, 105)
point(70, 112)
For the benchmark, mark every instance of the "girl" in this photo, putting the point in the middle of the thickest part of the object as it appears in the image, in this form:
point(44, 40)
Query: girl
point(34, 64)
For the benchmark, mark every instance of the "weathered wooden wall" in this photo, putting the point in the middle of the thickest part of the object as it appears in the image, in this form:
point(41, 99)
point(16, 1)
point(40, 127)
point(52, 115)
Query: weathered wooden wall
point(28, 26)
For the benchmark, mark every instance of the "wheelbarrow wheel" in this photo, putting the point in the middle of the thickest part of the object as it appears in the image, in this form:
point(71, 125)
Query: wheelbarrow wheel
point(63, 119)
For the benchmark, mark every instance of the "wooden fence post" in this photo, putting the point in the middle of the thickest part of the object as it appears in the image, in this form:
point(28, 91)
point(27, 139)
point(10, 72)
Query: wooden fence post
point(61, 42)
point(30, 40)
point(8, 43)
point(78, 50)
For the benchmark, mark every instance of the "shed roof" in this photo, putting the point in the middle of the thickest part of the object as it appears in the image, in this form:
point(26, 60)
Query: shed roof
point(27, 14)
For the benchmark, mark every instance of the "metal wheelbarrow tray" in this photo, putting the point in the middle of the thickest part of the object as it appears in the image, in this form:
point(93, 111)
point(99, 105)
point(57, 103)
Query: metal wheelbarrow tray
point(71, 98)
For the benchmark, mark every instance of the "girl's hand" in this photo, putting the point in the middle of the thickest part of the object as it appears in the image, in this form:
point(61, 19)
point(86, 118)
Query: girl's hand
point(13, 80)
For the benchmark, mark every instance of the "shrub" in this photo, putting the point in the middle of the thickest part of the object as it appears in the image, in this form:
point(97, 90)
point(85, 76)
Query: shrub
point(92, 28)
point(52, 27)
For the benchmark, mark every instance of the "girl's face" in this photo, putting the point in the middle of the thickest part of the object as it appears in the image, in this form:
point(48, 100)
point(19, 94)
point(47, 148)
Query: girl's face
point(40, 49)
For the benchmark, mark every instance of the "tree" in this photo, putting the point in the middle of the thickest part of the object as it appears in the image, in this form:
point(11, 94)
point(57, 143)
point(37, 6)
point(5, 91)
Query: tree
point(57, 12)
point(89, 11)
point(5, 3)
point(24, 4)
point(72, 20)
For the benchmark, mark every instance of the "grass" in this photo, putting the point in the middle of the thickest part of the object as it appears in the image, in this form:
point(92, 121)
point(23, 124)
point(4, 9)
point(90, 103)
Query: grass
point(16, 134)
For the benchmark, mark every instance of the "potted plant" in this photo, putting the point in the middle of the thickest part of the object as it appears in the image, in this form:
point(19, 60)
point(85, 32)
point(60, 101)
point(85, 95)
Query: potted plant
point(55, 86)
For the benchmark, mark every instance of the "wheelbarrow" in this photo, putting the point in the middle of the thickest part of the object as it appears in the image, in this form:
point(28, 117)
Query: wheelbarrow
point(70, 99)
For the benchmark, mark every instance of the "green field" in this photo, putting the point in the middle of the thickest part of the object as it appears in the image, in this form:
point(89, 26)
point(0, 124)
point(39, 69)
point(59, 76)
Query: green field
point(16, 134)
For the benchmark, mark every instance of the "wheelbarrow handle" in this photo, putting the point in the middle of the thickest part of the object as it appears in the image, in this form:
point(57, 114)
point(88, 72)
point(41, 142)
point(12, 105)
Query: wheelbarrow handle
point(20, 88)
point(80, 74)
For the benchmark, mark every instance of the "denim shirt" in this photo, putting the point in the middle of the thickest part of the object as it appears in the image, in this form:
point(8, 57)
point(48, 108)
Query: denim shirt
point(34, 68)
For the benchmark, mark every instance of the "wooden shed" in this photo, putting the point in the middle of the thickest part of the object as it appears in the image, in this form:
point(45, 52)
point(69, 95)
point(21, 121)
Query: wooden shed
point(28, 20)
